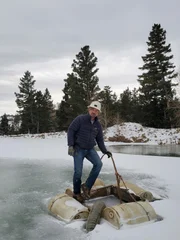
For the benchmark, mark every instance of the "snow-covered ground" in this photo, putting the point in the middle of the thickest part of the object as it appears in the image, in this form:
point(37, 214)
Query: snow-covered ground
point(34, 169)
point(133, 132)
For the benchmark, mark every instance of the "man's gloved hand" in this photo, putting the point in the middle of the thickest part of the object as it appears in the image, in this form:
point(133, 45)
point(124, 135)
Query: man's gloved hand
point(71, 151)
point(109, 154)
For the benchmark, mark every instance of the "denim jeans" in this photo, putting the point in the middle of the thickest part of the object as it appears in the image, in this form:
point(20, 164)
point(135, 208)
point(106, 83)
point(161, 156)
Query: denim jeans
point(94, 158)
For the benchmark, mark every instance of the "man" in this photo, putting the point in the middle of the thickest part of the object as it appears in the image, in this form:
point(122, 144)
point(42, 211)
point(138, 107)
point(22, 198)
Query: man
point(83, 134)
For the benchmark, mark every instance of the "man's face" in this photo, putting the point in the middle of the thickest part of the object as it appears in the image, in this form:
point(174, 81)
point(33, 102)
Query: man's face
point(93, 112)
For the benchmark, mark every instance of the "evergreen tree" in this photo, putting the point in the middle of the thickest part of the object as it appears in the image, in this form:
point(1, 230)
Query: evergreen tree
point(81, 87)
point(136, 107)
point(175, 107)
point(49, 112)
point(129, 106)
point(125, 105)
point(109, 114)
point(25, 100)
point(62, 116)
point(45, 113)
point(156, 90)
point(4, 125)
point(84, 68)
point(16, 124)
point(39, 111)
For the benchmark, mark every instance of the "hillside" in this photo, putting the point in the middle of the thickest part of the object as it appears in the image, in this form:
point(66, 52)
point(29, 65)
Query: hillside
point(136, 133)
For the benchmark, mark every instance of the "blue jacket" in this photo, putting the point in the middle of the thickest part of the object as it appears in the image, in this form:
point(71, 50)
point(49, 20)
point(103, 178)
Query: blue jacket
point(84, 134)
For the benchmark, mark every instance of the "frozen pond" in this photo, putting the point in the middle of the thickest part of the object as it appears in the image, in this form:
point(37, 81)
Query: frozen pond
point(154, 150)
point(26, 187)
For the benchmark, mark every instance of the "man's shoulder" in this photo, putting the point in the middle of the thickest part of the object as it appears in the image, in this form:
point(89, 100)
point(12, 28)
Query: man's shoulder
point(81, 117)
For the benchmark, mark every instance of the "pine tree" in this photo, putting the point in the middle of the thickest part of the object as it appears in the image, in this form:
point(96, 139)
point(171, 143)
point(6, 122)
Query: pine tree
point(156, 90)
point(136, 108)
point(62, 116)
point(45, 113)
point(49, 112)
point(4, 125)
point(109, 113)
point(125, 105)
point(25, 100)
point(16, 124)
point(81, 87)
point(84, 68)
point(175, 107)
point(129, 106)
point(39, 111)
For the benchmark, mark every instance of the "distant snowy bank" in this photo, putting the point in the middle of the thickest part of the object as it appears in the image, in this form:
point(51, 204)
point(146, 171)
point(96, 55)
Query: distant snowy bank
point(136, 133)
point(123, 133)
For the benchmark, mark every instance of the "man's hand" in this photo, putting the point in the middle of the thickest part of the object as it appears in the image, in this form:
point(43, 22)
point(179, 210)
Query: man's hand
point(71, 151)
point(109, 154)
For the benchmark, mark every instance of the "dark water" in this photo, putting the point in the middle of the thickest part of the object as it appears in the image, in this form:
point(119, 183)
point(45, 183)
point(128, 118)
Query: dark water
point(154, 150)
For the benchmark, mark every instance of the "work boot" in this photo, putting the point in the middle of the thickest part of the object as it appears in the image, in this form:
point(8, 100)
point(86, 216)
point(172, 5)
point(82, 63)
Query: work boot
point(78, 197)
point(86, 191)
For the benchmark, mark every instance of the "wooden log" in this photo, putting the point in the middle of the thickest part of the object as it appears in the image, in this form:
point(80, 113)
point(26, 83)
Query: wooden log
point(125, 195)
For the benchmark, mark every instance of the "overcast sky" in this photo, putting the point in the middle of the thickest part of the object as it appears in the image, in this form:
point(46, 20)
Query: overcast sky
point(43, 36)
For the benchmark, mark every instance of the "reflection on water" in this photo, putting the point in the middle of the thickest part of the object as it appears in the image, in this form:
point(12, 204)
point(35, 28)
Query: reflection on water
point(155, 150)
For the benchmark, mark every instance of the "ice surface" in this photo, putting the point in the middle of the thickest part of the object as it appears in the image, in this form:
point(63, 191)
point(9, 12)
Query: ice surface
point(32, 171)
